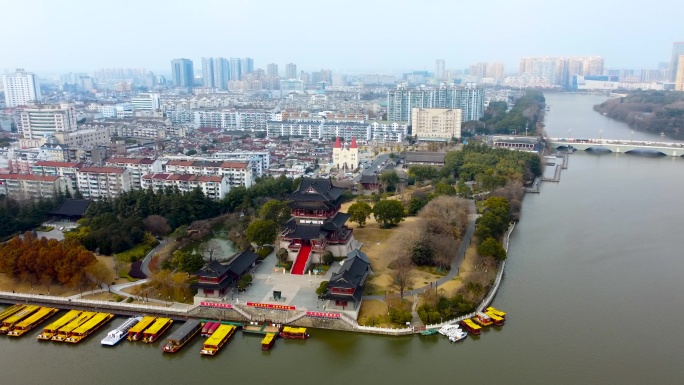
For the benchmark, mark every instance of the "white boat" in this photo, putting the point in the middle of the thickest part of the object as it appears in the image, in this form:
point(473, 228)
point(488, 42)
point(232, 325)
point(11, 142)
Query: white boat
point(446, 329)
point(457, 335)
point(115, 336)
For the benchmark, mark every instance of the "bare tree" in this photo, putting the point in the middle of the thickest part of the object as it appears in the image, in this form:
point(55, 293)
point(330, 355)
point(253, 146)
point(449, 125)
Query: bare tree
point(211, 249)
point(99, 274)
point(401, 275)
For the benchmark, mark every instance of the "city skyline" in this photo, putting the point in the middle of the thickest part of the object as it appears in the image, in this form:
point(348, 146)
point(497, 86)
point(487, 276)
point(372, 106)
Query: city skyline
point(512, 31)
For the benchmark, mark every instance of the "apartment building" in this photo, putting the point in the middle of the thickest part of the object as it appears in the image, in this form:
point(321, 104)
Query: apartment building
point(37, 122)
point(137, 168)
point(470, 101)
point(103, 182)
point(21, 88)
point(233, 120)
point(436, 124)
point(21, 186)
point(68, 170)
point(215, 186)
point(260, 160)
point(236, 173)
point(386, 131)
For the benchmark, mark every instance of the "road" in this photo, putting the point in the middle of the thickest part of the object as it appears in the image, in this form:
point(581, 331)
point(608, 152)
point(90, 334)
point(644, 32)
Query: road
point(145, 266)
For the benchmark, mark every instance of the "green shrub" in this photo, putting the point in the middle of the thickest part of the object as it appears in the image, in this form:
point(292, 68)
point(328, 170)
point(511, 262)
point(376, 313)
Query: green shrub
point(129, 299)
point(264, 252)
point(322, 288)
point(118, 298)
point(247, 277)
point(137, 253)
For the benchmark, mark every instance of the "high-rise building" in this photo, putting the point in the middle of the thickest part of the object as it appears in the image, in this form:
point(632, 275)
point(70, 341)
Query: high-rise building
point(401, 101)
point(495, 70)
point(182, 72)
point(560, 70)
point(21, 88)
point(215, 72)
point(272, 70)
point(291, 71)
point(247, 67)
point(478, 70)
point(235, 68)
point(42, 121)
point(679, 79)
point(208, 72)
point(677, 50)
point(439, 69)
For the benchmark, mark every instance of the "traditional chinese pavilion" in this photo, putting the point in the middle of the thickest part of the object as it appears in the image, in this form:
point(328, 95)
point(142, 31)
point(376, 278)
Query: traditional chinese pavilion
point(317, 225)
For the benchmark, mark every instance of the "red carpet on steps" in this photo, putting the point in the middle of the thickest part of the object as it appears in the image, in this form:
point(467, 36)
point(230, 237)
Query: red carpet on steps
point(300, 263)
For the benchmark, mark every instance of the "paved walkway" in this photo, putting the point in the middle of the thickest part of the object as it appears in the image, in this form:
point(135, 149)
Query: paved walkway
point(455, 264)
point(145, 266)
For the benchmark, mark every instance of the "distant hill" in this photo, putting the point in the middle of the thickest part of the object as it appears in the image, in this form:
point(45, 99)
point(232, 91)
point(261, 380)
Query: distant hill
point(650, 111)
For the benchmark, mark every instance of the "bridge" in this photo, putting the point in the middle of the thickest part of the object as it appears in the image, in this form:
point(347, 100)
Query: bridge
point(618, 146)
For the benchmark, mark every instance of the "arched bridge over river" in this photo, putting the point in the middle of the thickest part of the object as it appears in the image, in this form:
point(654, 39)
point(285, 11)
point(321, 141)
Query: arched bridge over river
point(618, 146)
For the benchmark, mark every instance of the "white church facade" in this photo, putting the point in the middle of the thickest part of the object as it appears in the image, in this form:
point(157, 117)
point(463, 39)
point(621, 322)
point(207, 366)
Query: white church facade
point(346, 157)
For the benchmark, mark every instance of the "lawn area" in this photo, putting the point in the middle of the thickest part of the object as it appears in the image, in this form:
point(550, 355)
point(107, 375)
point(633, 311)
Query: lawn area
point(10, 285)
point(377, 244)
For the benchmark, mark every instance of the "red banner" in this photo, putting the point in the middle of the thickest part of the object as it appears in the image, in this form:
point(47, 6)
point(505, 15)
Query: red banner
point(271, 306)
point(217, 305)
point(323, 314)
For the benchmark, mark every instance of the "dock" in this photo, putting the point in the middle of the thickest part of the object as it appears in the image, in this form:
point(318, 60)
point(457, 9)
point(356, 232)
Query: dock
point(261, 329)
point(32, 321)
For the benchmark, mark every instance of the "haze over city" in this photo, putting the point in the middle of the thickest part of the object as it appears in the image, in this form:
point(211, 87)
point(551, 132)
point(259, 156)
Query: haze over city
point(347, 36)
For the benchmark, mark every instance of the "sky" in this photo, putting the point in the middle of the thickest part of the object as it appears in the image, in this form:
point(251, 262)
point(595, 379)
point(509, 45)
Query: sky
point(380, 36)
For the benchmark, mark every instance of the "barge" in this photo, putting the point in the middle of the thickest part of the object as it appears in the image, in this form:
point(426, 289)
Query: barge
point(10, 310)
point(214, 343)
point(294, 333)
point(136, 332)
point(471, 326)
point(268, 341)
point(181, 336)
point(63, 332)
point(32, 321)
point(155, 330)
point(52, 328)
point(15, 318)
point(86, 329)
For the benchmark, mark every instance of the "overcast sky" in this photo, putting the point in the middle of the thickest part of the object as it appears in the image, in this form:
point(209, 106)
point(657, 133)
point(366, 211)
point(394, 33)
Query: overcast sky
point(53, 36)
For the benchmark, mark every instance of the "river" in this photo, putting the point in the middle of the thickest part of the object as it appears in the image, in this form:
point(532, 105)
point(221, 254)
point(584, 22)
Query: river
point(592, 290)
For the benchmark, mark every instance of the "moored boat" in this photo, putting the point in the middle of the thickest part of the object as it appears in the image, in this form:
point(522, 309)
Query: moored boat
point(63, 332)
point(429, 332)
point(50, 330)
point(483, 319)
point(9, 311)
point(206, 327)
point(295, 333)
point(156, 330)
point(214, 343)
point(15, 318)
point(181, 336)
point(456, 335)
point(471, 326)
point(498, 321)
point(83, 331)
point(32, 321)
point(120, 332)
point(136, 332)
point(268, 341)
point(446, 329)
point(496, 311)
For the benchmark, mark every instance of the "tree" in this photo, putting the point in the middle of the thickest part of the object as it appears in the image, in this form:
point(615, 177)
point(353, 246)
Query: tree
point(442, 188)
point(157, 225)
point(99, 273)
point(401, 275)
point(191, 152)
point(490, 247)
point(262, 232)
point(328, 258)
point(389, 179)
point(276, 211)
point(389, 212)
point(359, 212)
point(282, 255)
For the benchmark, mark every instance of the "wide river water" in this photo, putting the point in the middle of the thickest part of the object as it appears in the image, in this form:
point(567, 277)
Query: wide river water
point(592, 289)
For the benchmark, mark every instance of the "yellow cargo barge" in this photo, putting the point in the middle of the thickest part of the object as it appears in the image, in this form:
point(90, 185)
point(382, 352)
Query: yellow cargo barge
point(34, 320)
point(155, 331)
point(214, 343)
point(10, 310)
point(52, 328)
point(15, 318)
point(63, 332)
point(83, 331)
point(136, 332)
